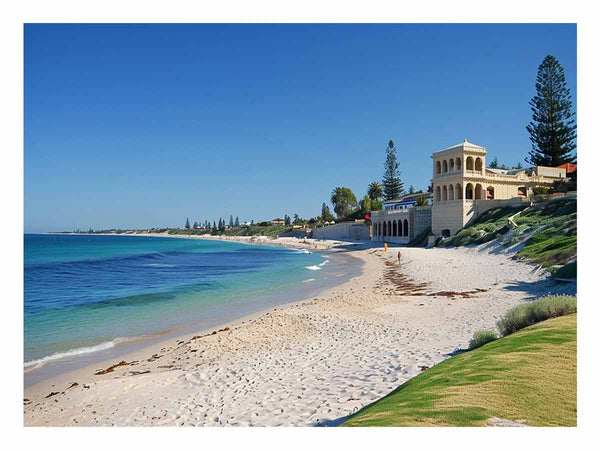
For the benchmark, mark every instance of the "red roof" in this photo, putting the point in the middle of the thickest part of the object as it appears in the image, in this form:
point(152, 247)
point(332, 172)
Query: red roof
point(570, 167)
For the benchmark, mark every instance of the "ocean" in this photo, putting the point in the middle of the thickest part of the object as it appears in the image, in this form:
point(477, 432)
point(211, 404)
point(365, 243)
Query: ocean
point(87, 295)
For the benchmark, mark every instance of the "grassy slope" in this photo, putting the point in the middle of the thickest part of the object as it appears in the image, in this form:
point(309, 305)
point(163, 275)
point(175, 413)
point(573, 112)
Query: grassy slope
point(530, 375)
point(555, 244)
point(558, 241)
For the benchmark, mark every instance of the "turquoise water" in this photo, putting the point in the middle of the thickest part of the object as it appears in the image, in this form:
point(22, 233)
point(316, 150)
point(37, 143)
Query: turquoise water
point(85, 294)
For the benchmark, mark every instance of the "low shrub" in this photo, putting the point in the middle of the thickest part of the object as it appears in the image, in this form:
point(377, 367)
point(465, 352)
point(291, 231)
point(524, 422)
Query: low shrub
point(541, 190)
point(566, 271)
point(421, 239)
point(464, 237)
point(542, 309)
point(482, 337)
point(487, 227)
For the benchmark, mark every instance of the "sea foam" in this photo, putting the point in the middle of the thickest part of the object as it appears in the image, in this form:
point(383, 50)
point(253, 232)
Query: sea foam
point(37, 363)
point(313, 268)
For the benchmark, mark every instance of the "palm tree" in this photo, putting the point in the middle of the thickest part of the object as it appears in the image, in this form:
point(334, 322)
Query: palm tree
point(375, 192)
point(422, 201)
point(343, 200)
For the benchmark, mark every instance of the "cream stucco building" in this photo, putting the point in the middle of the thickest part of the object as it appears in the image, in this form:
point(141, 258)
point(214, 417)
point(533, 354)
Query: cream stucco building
point(463, 188)
point(461, 181)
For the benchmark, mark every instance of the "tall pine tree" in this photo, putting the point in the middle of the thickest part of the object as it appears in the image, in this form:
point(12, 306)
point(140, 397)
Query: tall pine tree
point(552, 131)
point(392, 186)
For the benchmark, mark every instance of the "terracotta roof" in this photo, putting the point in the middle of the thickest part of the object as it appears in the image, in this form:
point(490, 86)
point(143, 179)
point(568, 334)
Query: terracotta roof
point(569, 166)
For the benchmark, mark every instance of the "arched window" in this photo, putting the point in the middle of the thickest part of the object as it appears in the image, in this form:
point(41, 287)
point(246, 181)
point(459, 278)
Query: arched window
point(438, 194)
point(469, 192)
point(394, 229)
point(438, 168)
point(478, 164)
point(459, 193)
point(384, 229)
point(469, 163)
point(444, 193)
point(451, 165)
point(445, 166)
point(458, 164)
point(389, 228)
point(490, 193)
point(451, 192)
point(478, 192)
point(405, 227)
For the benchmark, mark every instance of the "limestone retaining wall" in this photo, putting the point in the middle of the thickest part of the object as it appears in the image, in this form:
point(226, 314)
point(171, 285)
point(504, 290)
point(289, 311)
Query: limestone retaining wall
point(343, 231)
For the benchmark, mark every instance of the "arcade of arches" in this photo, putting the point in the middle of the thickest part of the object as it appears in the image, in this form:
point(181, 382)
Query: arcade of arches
point(471, 191)
point(391, 228)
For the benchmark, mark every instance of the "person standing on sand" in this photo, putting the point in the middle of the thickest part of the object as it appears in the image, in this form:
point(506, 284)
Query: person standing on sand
point(399, 257)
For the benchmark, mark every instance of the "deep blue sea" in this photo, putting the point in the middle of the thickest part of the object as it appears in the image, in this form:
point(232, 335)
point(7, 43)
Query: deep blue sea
point(85, 294)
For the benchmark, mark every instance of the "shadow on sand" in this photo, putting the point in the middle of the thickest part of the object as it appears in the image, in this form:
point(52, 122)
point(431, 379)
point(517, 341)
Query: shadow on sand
point(536, 289)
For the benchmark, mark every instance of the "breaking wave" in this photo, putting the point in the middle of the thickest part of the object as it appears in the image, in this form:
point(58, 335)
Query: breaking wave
point(36, 363)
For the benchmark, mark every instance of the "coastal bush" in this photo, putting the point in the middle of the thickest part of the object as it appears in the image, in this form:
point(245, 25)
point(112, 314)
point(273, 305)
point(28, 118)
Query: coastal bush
point(566, 271)
point(482, 337)
point(421, 239)
point(541, 190)
point(530, 313)
point(487, 227)
point(497, 216)
point(463, 237)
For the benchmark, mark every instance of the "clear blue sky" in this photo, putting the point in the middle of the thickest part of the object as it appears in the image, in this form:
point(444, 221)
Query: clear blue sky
point(145, 125)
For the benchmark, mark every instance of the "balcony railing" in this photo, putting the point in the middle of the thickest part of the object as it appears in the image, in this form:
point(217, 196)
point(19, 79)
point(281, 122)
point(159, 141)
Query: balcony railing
point(450, 173)
point(386, 212)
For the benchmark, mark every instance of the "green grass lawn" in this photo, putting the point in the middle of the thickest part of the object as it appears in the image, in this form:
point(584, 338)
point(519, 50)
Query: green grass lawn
point(528, 376)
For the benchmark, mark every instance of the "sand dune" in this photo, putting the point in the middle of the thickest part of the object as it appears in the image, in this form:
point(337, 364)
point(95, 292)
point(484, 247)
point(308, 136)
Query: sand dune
point(308, 363)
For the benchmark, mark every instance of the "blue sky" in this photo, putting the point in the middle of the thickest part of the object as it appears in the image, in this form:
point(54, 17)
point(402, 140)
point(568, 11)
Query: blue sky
point(145, 125)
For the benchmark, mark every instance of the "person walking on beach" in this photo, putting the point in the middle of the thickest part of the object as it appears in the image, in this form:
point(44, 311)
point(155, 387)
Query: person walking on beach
point(399, 257)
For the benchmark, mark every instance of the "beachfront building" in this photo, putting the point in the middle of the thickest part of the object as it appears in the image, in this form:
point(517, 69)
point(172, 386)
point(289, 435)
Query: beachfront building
point(463, 187)
point(400, 220)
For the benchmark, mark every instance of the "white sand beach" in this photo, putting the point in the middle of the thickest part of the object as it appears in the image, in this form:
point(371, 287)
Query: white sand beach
point(307, 363)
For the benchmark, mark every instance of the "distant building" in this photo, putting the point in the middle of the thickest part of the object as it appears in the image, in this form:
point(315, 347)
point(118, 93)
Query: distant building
point(278, 221)
point(401, 220)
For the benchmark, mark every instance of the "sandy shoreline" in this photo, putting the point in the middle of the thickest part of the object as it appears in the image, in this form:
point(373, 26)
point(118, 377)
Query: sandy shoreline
point(307, 363)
